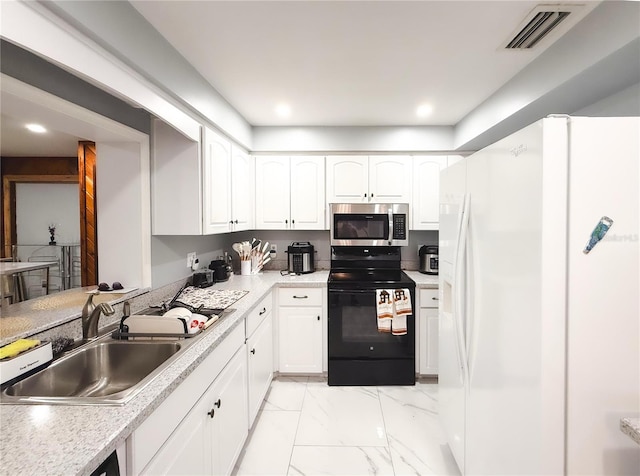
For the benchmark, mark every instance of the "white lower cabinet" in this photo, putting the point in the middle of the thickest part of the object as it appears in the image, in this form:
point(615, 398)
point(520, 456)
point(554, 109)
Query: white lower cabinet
point(210, 438)
point(202, 426)
point(228, 414)
point(259, 354)
point(300, 321)
point(189, 450)
point(429, 329)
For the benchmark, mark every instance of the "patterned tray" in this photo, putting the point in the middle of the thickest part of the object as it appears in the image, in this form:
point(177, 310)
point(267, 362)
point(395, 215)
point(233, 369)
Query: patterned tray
point(197, 298)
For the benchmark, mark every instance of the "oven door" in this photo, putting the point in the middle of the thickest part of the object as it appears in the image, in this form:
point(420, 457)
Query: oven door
point(353, 328)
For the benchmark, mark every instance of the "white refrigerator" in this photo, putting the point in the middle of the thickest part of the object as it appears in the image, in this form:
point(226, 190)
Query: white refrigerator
point(540, 341)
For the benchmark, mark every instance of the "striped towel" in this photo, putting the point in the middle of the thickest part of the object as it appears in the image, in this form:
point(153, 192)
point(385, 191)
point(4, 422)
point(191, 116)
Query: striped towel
point(384, 309)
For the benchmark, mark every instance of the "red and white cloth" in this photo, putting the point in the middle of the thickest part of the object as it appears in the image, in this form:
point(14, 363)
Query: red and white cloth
point(392, 307)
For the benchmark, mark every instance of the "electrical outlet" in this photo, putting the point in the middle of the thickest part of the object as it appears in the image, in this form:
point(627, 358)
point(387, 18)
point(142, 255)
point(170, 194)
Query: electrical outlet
point(274, 251)
point(191, 257)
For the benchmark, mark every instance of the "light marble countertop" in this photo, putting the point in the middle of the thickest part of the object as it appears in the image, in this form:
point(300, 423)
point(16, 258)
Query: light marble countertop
point(37, 315)
point(71, 439)
point(423, 280)
point(631, 427)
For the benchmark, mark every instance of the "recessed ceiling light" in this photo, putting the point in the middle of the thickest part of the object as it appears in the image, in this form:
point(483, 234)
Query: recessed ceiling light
point(424, 110)
point(36, 128)
point(283, 110)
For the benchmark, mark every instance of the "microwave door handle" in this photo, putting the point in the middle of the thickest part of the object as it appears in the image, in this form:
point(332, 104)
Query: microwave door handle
point(390, 226)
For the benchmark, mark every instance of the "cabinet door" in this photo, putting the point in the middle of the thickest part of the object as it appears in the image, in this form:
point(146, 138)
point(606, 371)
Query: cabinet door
point(272, 193)
point(217, 183)
point(300, 339)
point(426, 191)
point(429, 341)
point(229, 427)
point(307, 193)
point(188, 450)
point(390, 179)
point(347, 179)
point(260, 363)
point(242, 189)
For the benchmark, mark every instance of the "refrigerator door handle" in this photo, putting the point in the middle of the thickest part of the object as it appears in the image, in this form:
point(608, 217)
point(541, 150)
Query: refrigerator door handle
point(460, 289)
point(470, 323)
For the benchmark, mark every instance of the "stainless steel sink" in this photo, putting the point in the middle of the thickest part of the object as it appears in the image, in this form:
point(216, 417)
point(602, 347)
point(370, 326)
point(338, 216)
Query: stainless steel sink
point(105, 371)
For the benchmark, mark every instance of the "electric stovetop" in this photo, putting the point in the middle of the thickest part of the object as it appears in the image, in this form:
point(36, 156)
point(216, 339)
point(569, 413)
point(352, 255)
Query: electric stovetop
point(369, 277)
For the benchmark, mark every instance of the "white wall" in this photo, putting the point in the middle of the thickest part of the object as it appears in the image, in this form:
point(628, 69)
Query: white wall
point(123, 210)
point(623, 103)
point(169, 255)
point(340, 139)
point(40, 204)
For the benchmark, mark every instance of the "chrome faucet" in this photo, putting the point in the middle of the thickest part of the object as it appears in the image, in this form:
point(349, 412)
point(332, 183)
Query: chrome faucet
point(91, 315)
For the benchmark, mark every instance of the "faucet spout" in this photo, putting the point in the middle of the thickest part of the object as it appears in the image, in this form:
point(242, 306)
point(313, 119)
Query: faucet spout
point(91, 316)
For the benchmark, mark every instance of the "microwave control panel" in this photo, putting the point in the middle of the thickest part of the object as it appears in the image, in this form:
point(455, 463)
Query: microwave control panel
point(399, 226)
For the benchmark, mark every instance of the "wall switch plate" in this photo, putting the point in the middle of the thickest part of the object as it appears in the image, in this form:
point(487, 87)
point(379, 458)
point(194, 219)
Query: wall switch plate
point(273, 252)
point(191, 257)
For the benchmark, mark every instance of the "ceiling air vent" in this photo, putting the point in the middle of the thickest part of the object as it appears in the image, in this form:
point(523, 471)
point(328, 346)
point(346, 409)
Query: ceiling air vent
point(540, 22)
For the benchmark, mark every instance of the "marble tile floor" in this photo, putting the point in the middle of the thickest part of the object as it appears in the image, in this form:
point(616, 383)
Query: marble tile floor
point(306, 427)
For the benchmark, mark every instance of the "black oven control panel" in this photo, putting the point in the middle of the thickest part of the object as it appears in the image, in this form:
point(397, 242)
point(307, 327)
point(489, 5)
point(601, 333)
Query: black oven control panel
point(399, 226)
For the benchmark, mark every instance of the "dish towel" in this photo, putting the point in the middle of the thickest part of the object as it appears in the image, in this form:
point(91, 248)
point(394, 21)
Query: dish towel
point(402, 309)
point(384, 309)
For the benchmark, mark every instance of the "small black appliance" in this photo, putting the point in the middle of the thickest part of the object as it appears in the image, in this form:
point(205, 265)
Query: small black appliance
point(301, 257)
point(203, 278)
point(428, 259)
point(220, 270)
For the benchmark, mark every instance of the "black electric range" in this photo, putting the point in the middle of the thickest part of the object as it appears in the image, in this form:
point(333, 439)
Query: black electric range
point(361, 351)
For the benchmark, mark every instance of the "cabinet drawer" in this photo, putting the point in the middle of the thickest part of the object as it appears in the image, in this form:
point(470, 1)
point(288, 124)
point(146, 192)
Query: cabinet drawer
point(429, 298)
point(258, 313)
point(300, 296)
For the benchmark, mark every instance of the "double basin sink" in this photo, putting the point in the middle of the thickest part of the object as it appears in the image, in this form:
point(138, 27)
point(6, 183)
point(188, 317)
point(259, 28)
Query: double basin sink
point(104, 371)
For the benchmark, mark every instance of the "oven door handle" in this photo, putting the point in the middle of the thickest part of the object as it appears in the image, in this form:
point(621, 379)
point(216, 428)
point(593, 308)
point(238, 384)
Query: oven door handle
point(352, 291)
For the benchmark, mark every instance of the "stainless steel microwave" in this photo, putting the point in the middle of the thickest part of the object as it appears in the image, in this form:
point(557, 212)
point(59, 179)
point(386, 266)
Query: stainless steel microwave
point(369, 224)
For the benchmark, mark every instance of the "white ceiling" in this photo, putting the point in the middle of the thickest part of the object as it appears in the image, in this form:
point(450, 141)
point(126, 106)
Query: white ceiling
point(17, 141)
point(345, 63)
point(338, 63)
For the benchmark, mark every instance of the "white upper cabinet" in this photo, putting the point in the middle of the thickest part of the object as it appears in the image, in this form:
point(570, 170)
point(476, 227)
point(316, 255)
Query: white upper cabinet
point(201, 187)
point(272, 193)
point(242, 189)
point(289, 193)
point(347, 179)
point(216, 183)
point(390, 179)
point(426, 191)
point(358, 179)
point(307, 193)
